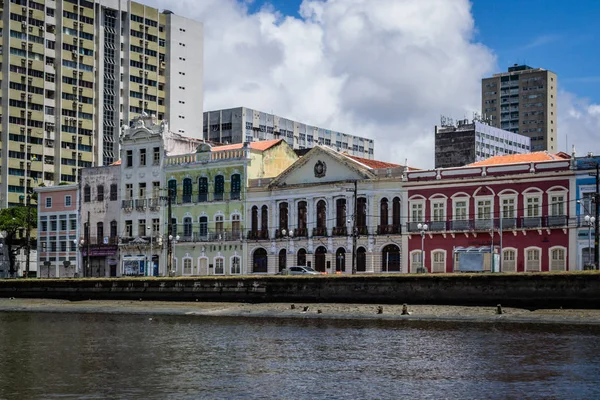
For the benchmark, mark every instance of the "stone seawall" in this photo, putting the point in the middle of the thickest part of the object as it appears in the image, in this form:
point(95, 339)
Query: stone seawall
point(548, 290)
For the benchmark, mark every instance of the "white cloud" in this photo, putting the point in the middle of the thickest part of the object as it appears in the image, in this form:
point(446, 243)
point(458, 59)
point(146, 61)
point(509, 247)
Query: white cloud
point(383, 69)
point(578, 124)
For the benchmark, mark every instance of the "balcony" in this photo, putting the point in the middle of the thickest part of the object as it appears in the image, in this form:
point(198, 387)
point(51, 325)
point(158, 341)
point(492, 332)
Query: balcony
point(508, 223)
point(388, 229)
point(206, 197)
point(461, 225)
point(340, 231)
point(556, 220)
point(223, 235)
point(300, 232)
point(320, 231)
point(140, 204)
point(437, 226)
point(484, 224)
point(127, 204)
point(531, 222)
point(258, 235)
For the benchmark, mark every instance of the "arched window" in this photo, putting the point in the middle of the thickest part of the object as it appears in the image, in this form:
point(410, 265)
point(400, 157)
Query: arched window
point(415, 261)
point(100, 193)
point(320, 256)
point(301, 219)
point(283, 215)
point(253, 222)
point(113, 229)
point(340, 217)
point(174, 227)
point(438, 261)
point(100, 232)
point(219, 187)
point(390, 258)
point(532, 257)
point(203, 220)
point(236, 187)
point(236, 265)
point(172, 187)
point(361, 215)
point(202, 189)
point(557, 259)
point(282, 259)
point(187, 266)
point(301, 257)
point(187, 228)
point(186, 196)
point(509, 260)
point(340, 260)
point(219, 226)
point(114, 191)
point(219, 266)
point(259, 261)
point(383, 214)
point(235, 227)
point(396, 214)
point(86, 194)
point(264, 219)
point(361, 259)
point(321, 226)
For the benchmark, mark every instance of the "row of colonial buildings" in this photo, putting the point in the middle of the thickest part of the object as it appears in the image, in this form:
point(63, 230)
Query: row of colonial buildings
point(179, 206)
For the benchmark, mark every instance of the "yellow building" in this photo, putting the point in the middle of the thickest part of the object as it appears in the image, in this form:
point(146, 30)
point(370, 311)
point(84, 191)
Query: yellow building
point(73, 70)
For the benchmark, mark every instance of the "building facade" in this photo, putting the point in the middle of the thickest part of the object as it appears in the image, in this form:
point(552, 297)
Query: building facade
point(508, 213)
point(241, 124)
point(72, 71)
point(468, 142)
point(585, 170)
point(58, 232)
point(208, 191)
point(523, 100)
point(305, 216)
point(99, 215)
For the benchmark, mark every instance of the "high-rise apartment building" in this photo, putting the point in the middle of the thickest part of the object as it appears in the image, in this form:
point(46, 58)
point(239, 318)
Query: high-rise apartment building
point(241, 124)
point(74, 71)
point(523, 100)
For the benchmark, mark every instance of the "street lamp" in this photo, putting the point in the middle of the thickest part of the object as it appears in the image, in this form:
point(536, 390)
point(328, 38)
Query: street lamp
point(171, 272)
point(590, 222)
point(151, 263)
point(85, 265)
point(422, 228)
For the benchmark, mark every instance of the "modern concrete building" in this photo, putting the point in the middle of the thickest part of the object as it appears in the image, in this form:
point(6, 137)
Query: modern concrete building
point(73, 70)
point(241, 124)
point(468, 142)
point(523, 100)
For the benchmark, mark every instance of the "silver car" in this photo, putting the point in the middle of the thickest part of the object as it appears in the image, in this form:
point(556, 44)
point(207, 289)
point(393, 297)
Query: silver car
point(299, 270)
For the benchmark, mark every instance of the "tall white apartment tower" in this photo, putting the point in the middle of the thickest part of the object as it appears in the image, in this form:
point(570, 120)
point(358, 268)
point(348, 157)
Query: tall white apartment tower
point(74, 71)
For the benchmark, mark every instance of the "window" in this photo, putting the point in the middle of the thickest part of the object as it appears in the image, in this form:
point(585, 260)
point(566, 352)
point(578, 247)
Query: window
point(203, 227)
point(142, 227)
point(187, 227)
point(396, 212)
point(283, 215)
point(63, 225)
point(142, 190)
point(236, 187)
point(187, 266)
point(44, 226)
point(264, 218)
point(416, 212)
point(129, 228)
point(302, 215)
point(48, 202)
point(361, 214)
point(113, 192)
point(156, 189)
point(129, 191)
point(155, 226)
point(129, 159)
point(438, 211)
point(439, 261)
point(254, 219)
point(321, 214)
point(53, 226)
point(156, 156)
point(86, 194)
point(99, 231)
point(415, 261)
point(219, 270)
point(172, 185)
point(219, 226)
point(235, 227)
point(533, 259)
point(383, 211)
point(202, 189)
point(73, 224)
point(484, 209)
point(508, 208)
point(236, 265)
point(63, 245)
point(113, 229)
point(219, 187)
point(460, 210)
point(187, 190)
point(533, 207)
point(557, 205)
point(142, 157)
point(100, 193)
point(557, 259)
point(67, 201)
point(340, 213)
point(509, 261)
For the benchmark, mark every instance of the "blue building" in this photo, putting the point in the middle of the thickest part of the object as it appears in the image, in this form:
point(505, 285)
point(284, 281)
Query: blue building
point(585, 186)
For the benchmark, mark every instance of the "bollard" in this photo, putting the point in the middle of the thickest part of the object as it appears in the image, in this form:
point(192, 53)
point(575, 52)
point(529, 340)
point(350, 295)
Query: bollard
point(380, 310)
point(306, 308)
point(404, 309)
point(293, 307)
point(499, 309)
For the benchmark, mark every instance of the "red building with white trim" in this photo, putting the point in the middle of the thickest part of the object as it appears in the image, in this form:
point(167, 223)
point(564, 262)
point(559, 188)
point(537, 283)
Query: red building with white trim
point(517, 207)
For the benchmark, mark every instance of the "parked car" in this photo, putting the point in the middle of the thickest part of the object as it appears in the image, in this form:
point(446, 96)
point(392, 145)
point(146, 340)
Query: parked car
point(299, 270)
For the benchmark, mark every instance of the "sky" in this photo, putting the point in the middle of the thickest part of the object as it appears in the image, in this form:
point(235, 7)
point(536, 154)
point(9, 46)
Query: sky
point(387, 69)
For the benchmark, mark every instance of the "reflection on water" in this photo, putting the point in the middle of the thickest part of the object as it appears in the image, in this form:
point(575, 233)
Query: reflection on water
point(98, 356)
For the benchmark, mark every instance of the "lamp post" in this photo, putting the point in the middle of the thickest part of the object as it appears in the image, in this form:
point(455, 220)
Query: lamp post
point(422, 228)
point(172, 240)
point(287, 234)
point(589, 221)
point(150, 264)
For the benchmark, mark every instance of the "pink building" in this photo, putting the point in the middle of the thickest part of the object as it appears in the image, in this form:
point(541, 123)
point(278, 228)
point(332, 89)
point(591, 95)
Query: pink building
point(507, 213)
point(58, 231)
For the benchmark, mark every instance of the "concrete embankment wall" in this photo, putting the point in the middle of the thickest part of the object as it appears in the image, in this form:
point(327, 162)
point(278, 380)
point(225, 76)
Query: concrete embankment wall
point(581, 290)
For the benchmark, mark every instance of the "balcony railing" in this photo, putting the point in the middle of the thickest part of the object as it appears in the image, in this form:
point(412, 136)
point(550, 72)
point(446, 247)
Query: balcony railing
point(388, 229)
point(550, 221)
point(320, 231)
point(206, 197)
point(257, 234)
point(211, 236)
point(340, 231)
point(300, 232)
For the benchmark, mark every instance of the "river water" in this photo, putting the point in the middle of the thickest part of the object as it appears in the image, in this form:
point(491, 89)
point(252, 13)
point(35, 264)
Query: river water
point(104, 356)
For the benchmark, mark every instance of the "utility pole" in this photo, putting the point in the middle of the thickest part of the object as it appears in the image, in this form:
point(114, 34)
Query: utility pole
point(28, 235)
point(169, 232)
point(354, 227)
point(87, 243)
point(597, 225)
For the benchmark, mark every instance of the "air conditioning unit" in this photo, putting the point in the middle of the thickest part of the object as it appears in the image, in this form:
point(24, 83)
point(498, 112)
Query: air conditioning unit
point(29, 80)
point(74, 40)
point(23, 96)
point(30, 46)
point(29, 97)
point(80, 90)
point(23, 61)
point(23, 44)
point(146, 73)
point(74, 73)
point(80, 73)
point(30, 12)
point(24, 25)
point(29, 63)
point(74, 52)
point(24, 9)
point(29, 113)
point(42, 28)
point(22, 130)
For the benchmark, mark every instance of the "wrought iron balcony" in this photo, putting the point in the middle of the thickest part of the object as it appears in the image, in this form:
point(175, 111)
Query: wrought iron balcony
point(258, 235)
point(320, 231)
point(300, 232)
point(388, 229)
point(340, 231)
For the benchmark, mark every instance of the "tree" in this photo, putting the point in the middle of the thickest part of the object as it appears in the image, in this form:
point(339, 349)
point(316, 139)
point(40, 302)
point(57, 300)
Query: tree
point(12, 221)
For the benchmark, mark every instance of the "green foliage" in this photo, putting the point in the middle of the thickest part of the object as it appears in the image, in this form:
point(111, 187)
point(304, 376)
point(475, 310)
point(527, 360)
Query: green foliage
point(14, 218)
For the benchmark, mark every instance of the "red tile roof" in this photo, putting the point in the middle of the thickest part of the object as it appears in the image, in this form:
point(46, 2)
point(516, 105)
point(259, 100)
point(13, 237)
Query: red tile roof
point(118, 162)
point(372, 163)
point(521, 158)
point(261, 145)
